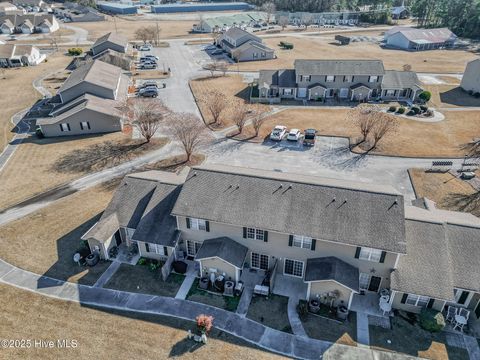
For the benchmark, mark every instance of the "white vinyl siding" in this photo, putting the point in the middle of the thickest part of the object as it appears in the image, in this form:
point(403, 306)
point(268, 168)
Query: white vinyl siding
point(370, 254)
point(255, 234)
point(304, 242)
point(417, 300)
point(293, 268)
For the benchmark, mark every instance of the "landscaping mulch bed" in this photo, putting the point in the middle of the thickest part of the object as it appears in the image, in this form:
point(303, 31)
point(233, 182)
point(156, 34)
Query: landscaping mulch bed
point(213, 299)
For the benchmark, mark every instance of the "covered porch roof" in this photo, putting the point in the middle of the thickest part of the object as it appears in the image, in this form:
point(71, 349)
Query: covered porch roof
point(225, 249)
point(332, 268)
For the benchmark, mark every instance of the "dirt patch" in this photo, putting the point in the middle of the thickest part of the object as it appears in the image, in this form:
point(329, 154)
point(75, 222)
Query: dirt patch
point(446, 190)
point(321, 47)
point(271, 312)
point(46, 240)
point(117, 333)
point(330, 330)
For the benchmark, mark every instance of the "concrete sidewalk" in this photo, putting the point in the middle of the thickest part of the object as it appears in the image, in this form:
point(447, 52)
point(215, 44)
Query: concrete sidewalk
point(248, 330)
point(111, 270)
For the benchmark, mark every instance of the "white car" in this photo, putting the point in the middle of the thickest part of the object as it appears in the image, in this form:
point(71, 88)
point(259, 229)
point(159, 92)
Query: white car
point(278, 133)
point(294, 135)
point(145, 47)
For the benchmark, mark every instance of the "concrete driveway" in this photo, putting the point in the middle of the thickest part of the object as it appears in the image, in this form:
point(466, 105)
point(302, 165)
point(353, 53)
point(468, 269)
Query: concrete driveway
point(329, 158)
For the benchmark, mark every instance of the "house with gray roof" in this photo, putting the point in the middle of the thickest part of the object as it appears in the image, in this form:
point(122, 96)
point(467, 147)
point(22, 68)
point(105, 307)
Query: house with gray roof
point(20, 55)
point(110, 41)
point(343, 80)
point(413, 39)
point(28, 23)
point(242, 45)
point(89, 102)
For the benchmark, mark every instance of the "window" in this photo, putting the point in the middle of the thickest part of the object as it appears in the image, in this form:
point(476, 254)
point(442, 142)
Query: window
point(264, 54)
point(255, 55)
point(373, 79)
point(461, 296)
point(255, 234)
point(259, 261)
point(370, 254)
point(330, 78)
point(308, 78)
point(65, 127)
point(192, 247)
point(417, 300)
point(85, 125)
point(390, 93)
point(363, 281)
point(155, 248)
point(198, 224)
point(348, 78)
point(304, 242)
point(287, 91)
point(293, 267)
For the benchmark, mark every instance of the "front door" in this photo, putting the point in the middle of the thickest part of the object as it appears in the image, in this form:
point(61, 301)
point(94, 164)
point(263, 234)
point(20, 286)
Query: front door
point(302, 92)
point(118, 239)
point(374, 283)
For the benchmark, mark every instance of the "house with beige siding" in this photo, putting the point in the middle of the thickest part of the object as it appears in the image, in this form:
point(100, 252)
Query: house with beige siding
point(242, 45)
point(341, 240)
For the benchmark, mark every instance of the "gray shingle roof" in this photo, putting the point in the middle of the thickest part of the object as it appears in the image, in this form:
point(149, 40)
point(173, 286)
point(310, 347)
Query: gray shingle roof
point(281, 78)
point(225, 249)
point(339, 67)
point(252, 43)
point(103, 230)
point(340, 211)
point(113, 38)
point(332, 268)
point(400, 80)
point(95, 72)
point(31, 19)
point(236, 34)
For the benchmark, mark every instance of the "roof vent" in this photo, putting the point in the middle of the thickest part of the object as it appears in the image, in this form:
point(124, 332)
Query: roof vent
point(290, 186)
point(237, 187)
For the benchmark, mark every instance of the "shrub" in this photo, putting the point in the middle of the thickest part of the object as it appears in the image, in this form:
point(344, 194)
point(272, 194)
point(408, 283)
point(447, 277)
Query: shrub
point(425, 96)
point(154, 265)
point(411, 113)
point(428, 113)
point(401, 110)
point(477, 95)
point(392, 109)
point(415, 109)
point(302, 309)
point(142, 261)
point(74, 51)
point(470, 92)
point(432, 320)
point(39, 133)
point(423, 108)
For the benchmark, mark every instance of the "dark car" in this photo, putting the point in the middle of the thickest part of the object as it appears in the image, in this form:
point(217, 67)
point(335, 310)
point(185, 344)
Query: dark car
point(309, 137)
point(148, 92)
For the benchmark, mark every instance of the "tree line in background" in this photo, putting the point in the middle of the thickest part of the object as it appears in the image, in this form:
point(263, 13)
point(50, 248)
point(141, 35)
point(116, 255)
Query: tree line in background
point(320, 5)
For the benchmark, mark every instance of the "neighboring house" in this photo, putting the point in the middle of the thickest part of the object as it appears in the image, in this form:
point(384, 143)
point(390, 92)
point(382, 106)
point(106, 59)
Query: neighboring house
point(471, 77)
point(354, 80)
point(332, 236)
point(75, 12)
point(223, 23)
point(37, 3)
point(88, 102)
point(409, 38)
point(400, 12)
point(244, 46)
point(20, 55)
point(110, 41)
point(28, 24)
point(6, 8)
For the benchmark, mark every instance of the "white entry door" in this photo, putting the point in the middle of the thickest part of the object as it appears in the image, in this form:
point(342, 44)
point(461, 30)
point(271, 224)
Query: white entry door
point(344, 93)
point(302, 92)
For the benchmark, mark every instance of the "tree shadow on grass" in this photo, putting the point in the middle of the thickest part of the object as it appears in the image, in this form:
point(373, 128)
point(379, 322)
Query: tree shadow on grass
point(464, 202)
point(341, 157)
point(97, 157)
point(185, 346)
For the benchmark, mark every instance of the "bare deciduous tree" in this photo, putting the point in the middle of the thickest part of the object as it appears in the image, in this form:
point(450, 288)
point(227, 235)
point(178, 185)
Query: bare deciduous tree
point(259, 116)
point(384, 125)
point(239, 114)
point(364, 117)
point(146, 115)
point(269, 8)
point(283, 22)
point(148, 34)
point(216, 103)
point(223, 67)
point(212, 67)
point(189, 131)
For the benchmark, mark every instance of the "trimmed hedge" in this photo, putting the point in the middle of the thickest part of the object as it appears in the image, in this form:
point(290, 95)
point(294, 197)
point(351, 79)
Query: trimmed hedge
point(392, 109)
point(75, 51)
point(415, 109)
point(432, 320)
point(401, 110)
point(425, 96)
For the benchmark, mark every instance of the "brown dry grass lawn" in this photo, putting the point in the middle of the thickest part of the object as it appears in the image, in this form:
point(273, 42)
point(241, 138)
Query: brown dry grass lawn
point(21, 94)
point(41, 164)
point(413, 139)
point(108, 334)
point(168, 29)
point(45, 241)
point(449, 192)
point(320, 47)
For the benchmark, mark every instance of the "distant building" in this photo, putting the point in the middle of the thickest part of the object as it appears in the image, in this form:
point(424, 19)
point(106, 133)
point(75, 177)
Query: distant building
point(7, 8)
point(193, 7)
point(75, 12)
point(117, 8)
point(244, 46)
point(32, 3)
point(223, 23)
point(28, 24)
point(471, 77)
point(325, 18)
point(409, 38)
point(20, 55)
point(110, 41)
point(400, 12)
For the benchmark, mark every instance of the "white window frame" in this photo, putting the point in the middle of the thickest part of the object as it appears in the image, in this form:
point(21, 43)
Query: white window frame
point(155, 248)
point(370, 254)
point(295, 262)
point(304, 242)
point(287, 91)
point(348, 78)
point(255, 234)
point(457, 293)
point(330, 78)
point(258, 260)
point(198, 224)
point(417, 300)
point(85, 125)
point(373, 78)
point(64, 127)
point(194, 244)
point(390, 92)
point(308, 78)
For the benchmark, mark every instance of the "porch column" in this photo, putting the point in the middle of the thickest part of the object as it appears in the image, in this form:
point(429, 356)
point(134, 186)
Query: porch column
point(309, 288)
point(237, 275)
point(392, 296)
point(350, 300)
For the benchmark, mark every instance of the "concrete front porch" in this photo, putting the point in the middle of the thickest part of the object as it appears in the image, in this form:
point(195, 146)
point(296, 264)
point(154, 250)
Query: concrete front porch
point(290, 286)
point(367, 304)
point(127, 254)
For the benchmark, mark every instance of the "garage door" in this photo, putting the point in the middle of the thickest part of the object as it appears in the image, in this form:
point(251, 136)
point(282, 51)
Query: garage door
point(344, 93)
point(302, 92)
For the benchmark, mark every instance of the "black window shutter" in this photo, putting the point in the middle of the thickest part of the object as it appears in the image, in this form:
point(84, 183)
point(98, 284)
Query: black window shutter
point(314, 243)
point(68, 126)
point(165, 251)
point(265, 236)
point(61, 127)
point(382, 257)
point(326, 77)
point(357, 252)
point(188, 223)
point(404, 298)
point(88, 125)
point(463, 297)
point(430, 303)
point(81, 125)
point(290, 240)
point(147, 247)
point(207, 226)
point(353, 77)
point(244, 232)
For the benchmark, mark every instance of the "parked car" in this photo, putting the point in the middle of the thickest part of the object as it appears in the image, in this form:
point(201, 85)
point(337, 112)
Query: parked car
point(148, 83)
point(309, 136)
point(467, 175)
point(148, 92)
point(153, 57)
point(294, 135)
point(145, 47)
point(278, 133)
point(147, 66)
point(147, 59)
